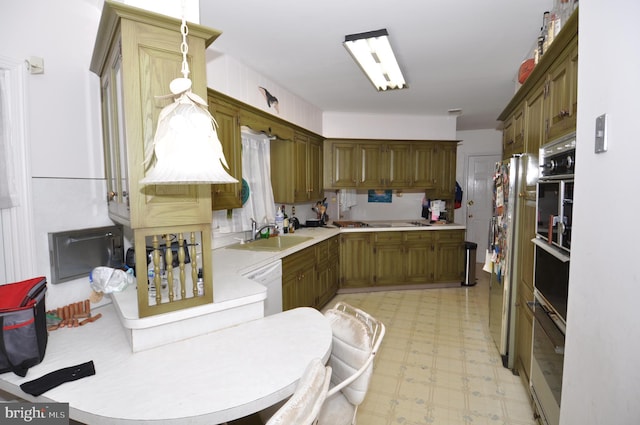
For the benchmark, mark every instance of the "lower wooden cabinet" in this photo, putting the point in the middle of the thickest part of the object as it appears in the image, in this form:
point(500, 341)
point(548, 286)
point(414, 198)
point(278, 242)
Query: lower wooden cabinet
point(449, 255)
point(327, 261)
point(298, 279)
point(310, 276)
point(369, 259)
point(524, 333)
point(356, 252)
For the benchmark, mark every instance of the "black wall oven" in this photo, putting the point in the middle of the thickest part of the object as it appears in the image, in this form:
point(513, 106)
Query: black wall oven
point(547, 360)
point(555, 192)
point(554, 206)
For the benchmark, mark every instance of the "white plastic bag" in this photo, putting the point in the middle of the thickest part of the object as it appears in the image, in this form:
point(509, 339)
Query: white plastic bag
point(108, 280)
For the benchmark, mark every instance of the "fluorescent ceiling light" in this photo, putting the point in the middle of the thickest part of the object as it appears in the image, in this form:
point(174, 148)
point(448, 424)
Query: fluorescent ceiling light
point(373, 53)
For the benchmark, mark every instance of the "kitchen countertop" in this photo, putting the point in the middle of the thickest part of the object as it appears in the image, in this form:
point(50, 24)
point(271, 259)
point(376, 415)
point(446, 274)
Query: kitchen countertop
point(245, 261)
point(208, 379)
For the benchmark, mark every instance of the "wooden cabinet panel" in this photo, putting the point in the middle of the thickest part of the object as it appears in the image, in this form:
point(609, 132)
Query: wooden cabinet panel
point(524, 332)
point(535, 131)
point(562, 93)
point(449, 256)
point(370, 159)
point(419, 258)
point(356, 253)
point(389, 258)
point(228, 196)
point(298, 279)
point(398, 160)
point(446, 178)
point(314, 169)
point(300, 189)
point(296, 169)
point(327, 253)
point(513, 135)
point(424, 165)
point(343, 171)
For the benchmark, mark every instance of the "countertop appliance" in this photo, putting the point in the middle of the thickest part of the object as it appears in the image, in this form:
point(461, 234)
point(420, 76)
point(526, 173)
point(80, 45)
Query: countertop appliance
point(507, 183)
point(270, 276)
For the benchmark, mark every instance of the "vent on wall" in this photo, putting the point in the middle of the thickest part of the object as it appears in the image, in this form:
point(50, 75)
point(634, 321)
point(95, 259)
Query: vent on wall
point(74, 253)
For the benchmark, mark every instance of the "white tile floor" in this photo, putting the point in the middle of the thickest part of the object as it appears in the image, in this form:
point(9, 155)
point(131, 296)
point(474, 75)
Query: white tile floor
point(438, 363)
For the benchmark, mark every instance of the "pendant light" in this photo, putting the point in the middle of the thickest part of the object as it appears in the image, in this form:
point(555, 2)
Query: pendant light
point(185, 148)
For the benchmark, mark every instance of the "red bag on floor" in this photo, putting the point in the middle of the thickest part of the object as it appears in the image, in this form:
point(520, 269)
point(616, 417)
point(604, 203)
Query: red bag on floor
point(23, 325)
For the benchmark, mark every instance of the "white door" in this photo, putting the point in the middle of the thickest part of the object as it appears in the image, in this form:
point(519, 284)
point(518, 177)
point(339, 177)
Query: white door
point(479, 198)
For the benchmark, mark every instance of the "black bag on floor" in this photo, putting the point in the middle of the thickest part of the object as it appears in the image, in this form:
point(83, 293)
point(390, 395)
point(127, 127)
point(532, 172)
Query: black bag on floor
point(23, 325)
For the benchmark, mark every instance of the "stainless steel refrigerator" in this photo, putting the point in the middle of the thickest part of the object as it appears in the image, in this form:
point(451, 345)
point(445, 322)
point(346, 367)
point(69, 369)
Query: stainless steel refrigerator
point(503, 234)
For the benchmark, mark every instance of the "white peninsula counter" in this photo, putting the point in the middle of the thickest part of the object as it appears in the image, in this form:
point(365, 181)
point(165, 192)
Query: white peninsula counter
point(209, 379)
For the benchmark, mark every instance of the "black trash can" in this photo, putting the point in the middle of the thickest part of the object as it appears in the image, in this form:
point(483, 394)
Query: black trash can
point(470, 249)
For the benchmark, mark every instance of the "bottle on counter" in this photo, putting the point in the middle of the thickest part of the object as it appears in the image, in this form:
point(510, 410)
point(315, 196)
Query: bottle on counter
point(279, 221)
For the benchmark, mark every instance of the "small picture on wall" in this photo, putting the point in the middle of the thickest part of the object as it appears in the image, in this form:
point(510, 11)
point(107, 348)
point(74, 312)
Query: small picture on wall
point(380, 196)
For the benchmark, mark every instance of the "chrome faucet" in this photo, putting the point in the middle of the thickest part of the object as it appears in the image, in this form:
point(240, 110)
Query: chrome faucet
point(256, 234)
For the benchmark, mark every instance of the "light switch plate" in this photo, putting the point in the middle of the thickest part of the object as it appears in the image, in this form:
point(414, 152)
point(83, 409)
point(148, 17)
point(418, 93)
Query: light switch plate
point(601, 134)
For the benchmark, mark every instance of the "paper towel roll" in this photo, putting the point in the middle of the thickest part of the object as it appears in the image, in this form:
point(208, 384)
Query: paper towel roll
point(488, 264)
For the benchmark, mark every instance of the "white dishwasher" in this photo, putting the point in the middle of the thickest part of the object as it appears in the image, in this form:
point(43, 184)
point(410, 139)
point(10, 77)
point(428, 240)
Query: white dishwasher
point(270, 276)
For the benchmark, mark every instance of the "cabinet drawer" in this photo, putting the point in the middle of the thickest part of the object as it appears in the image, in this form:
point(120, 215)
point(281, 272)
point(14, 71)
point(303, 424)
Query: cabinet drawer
point(388, 237)
point(419, 236)
point(300, 259)
point(450, 235)
point(327, 249)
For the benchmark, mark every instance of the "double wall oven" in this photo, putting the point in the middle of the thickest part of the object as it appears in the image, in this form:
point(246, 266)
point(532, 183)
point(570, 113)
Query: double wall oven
point(553, 250)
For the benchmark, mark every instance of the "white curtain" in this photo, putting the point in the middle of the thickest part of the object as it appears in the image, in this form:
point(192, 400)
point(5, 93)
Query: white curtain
point(256, 171)
point(8, 194)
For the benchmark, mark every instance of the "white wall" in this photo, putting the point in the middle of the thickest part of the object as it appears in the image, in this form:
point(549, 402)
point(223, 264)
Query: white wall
point(63, 122)
point(375, 126)
point(233, 78)
point(601, 370)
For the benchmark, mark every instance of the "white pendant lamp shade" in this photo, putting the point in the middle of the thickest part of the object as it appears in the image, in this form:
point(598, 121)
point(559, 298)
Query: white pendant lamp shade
point(185, 148)
point(186, 145)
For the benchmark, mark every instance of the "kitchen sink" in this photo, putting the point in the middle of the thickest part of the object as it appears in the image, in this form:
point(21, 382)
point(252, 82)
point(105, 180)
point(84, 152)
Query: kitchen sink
point(278, 243)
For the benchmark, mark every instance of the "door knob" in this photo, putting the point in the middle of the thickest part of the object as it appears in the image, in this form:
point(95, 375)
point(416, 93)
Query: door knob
point(470, 202)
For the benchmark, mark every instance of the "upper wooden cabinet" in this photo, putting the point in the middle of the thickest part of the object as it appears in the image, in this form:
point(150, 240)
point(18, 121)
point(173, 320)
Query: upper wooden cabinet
point(390, 164)
point(562, 92)
point(137, 54)
point(545, 106)
point(296, 153)
point(513, 135)
point(296, 169)
point(227, 196)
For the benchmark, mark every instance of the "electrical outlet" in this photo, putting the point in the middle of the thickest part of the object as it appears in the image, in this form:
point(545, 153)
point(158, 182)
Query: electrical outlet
point(601, 134)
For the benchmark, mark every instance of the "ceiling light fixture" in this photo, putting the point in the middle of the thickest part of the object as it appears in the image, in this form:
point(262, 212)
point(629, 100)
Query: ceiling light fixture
point(186, 145)
point(372, 51)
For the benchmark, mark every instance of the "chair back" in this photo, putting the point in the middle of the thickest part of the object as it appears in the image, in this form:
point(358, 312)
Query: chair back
point(304, 405)
point(356, 339)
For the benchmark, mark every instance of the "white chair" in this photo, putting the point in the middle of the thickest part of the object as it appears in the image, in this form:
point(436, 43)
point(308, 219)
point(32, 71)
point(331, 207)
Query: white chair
point(303, 406)
point(356, 339)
